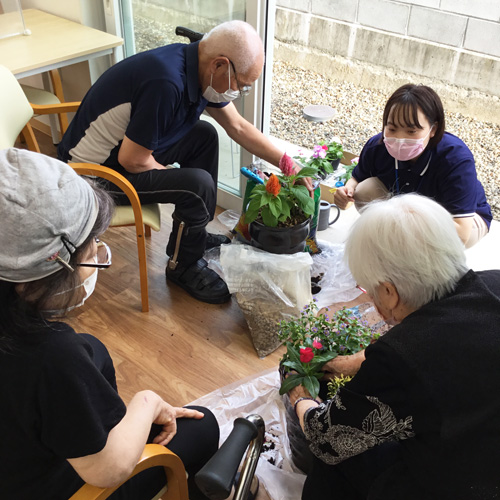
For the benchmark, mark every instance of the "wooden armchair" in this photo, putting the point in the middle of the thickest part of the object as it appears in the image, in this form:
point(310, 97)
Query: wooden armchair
point(40, 97)
point(216, 479)
point(15, 114)
point(153, 455)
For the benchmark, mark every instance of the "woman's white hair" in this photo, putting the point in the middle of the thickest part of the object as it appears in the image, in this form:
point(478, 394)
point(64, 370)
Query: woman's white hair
point(409, 241)
point(236, 40)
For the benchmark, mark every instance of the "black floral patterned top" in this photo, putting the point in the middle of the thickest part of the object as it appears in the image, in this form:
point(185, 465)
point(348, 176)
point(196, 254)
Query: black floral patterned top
point(433, 384)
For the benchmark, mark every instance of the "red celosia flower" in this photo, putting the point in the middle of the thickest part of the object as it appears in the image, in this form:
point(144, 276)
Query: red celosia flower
point(306, 354)
point(273, 185)
point(286, 165)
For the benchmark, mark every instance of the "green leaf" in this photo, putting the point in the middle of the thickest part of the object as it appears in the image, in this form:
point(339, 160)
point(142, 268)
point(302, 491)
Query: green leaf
point(290, 382)
point(252, 210)
point(306, 172)
point(268, 218)
point(305, 201)
point(285, 208)
point(324, 358)
point(275, 207)
point(293, 354)
point(294, 366)
point(312, 385)
point(266, 198)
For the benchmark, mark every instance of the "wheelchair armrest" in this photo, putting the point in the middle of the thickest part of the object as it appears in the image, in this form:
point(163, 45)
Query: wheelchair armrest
point(193, 36)
point(216, 478)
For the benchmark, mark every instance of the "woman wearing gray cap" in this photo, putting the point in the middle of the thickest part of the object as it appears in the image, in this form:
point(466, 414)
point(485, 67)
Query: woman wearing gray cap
point(62, 420)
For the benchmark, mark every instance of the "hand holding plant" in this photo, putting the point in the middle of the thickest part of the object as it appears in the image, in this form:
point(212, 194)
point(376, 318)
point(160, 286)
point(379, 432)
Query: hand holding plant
point(313, 339)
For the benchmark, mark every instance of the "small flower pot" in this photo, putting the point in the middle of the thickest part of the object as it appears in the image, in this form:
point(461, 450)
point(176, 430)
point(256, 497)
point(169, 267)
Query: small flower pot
point(335, 164)
point(279, 240)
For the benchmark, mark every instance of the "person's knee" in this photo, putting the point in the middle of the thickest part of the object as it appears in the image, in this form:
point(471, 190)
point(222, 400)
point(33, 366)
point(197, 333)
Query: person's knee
point(369, 190)
point(207, 130)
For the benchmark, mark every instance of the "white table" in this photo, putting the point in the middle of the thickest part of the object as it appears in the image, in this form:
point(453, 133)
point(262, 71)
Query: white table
point(54, 43)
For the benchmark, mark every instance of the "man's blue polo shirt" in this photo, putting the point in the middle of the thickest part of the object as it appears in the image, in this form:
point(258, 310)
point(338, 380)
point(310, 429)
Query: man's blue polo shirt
point(154, 98)
point(446, 173)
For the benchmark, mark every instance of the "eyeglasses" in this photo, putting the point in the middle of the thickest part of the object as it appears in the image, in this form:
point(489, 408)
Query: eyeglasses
point(245, 90)
point(103, 257)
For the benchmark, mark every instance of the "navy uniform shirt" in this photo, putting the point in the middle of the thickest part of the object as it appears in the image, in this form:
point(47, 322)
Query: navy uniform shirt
point(446, 173)
point(154, 98)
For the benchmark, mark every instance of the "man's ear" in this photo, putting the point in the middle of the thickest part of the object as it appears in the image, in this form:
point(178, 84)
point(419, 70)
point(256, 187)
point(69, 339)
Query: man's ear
point(218, 62)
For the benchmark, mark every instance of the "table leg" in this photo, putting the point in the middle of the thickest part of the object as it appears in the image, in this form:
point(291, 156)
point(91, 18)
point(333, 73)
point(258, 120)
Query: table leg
point(52, 118)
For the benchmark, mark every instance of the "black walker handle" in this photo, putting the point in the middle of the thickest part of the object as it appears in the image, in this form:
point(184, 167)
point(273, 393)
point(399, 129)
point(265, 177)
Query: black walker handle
point(193, 36)
point(216, 478)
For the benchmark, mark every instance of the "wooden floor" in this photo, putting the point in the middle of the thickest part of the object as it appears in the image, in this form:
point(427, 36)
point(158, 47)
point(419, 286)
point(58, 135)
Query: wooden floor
point(182, 348)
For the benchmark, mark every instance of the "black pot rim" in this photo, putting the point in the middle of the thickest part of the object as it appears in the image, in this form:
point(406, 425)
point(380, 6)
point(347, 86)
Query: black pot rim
point(279, 229)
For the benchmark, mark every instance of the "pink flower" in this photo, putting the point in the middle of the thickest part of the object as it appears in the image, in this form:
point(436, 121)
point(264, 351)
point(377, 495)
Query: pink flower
point(306, 354)
point(317, 344)
point(319, 152)
point(286, 165)
point(325, 147)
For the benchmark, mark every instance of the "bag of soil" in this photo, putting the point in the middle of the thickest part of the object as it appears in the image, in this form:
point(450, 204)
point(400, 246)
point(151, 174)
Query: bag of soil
point(268, 288)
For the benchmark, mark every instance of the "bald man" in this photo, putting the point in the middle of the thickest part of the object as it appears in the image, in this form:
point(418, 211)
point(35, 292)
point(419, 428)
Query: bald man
point(143, 114)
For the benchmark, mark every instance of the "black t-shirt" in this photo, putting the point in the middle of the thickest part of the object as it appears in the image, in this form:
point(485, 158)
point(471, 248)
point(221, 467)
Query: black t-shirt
point(55, 405)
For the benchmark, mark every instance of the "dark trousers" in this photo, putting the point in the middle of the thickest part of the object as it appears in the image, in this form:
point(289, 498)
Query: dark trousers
point(195, 441)
point(191, 188)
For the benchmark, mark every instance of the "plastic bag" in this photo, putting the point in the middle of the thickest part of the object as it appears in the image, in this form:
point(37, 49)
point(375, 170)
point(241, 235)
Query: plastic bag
point(259, 394)
point(332, 281)
point(268, 288)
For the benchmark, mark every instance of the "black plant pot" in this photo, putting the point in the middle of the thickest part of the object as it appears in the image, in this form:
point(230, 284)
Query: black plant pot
point(335, 164)
point(299, 446)
point(279, 240)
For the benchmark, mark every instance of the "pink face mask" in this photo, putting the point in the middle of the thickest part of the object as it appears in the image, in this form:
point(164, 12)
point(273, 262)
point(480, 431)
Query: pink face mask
point(405, 149)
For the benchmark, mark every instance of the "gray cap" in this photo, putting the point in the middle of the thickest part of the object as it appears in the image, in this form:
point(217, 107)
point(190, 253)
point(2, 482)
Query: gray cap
point(42, 201)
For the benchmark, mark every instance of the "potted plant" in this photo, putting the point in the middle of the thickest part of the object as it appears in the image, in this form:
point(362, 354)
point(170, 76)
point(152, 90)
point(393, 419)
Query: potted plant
point(312, 340)
point(279, 210)
point(325, 158)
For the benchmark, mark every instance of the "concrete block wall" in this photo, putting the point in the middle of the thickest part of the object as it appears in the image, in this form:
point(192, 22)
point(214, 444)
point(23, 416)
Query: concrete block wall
point(448, 42)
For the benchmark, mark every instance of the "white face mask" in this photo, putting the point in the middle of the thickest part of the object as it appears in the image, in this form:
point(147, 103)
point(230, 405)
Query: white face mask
point(211, 95)
point(88, 285)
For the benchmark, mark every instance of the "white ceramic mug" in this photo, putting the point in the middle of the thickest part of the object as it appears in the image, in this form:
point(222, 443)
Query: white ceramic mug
point(324, 215)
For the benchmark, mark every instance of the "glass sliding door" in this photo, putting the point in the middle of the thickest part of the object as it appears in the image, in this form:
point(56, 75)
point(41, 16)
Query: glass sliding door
point(148, 24)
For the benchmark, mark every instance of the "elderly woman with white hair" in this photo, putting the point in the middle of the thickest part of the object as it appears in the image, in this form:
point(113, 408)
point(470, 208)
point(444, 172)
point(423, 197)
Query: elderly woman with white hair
point(421, 418)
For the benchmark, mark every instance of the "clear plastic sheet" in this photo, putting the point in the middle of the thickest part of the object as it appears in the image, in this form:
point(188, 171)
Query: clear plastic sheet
point(259, 394)
point(229, 218)
point(268, 288)
point(336, 281)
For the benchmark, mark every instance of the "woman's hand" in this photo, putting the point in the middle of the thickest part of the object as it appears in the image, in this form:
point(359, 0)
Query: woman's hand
point(299, 391)
point(343, 195)
point(168, 419)
point(295, 394)
point(344, 365)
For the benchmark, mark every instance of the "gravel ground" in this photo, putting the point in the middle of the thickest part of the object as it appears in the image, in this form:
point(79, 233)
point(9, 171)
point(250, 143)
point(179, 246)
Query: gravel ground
point(359, 112)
